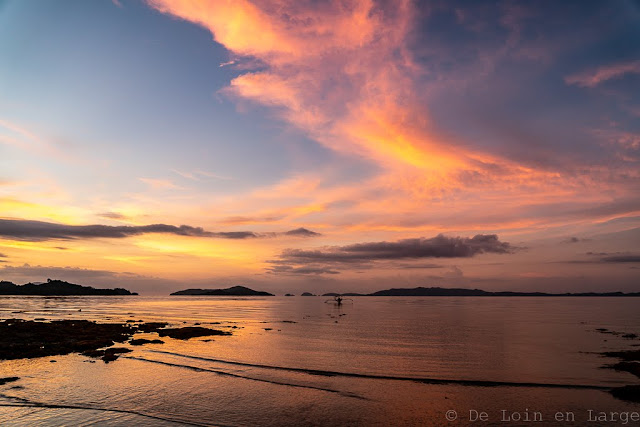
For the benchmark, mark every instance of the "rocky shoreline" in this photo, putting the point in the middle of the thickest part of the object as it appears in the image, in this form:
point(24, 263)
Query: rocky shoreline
point(26, 339)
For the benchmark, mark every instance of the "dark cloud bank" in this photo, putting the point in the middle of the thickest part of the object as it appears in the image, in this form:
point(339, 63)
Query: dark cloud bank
point(38, 231)
point(327, 260)
point(621, 258)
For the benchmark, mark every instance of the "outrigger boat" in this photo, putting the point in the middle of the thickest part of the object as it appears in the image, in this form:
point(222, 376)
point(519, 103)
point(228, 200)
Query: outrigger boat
point(337, 300)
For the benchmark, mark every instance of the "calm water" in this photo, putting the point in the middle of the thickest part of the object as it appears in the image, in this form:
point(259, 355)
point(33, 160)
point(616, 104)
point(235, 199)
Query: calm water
point(246, 378)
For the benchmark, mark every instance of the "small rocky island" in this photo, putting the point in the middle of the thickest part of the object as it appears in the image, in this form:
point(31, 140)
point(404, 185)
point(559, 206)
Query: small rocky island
point(232, 291)
point(57, 288)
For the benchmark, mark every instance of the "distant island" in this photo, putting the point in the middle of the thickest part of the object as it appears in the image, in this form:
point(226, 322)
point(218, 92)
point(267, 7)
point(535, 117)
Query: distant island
point(232, 291)
point(57, 288)
point(459, 292)
point(307, 294)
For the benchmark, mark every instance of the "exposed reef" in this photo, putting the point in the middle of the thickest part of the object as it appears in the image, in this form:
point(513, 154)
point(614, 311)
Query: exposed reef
point(190, 332)
point(629, 362)
point(630, 393)
point(20, 339)
point(142, 341)
point(107, 355)
point(26, 339)
point(5, 380)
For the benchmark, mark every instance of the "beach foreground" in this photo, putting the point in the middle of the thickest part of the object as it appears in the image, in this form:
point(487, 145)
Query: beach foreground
point(299, 361)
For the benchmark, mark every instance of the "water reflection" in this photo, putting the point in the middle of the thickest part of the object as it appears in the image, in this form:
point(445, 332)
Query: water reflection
point(476, 339)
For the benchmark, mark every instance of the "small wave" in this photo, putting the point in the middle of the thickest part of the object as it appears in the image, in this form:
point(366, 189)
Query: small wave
point(229, 374)
point(26, 403)
point(476, 383)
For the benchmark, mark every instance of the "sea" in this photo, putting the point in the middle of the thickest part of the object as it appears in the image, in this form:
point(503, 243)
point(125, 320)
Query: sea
point(305, 361)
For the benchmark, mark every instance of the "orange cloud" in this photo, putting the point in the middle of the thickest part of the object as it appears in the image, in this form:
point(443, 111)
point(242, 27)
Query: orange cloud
point(336, 70)
point(340, 71)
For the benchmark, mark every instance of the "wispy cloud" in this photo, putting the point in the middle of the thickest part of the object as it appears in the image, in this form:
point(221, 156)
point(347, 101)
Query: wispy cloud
point(238, 219)
point(338, 70)
point(574, 239)
point(289, 270)
point(159, 184)
point(112, 215)
point(592, 78)
point(40, 231)
point(18, 135)
point(199, 174)
point(621, 258)
point(301, 232)
point(350, 75)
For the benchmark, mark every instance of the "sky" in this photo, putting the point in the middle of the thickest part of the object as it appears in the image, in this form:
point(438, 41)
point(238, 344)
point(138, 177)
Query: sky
point(316, 146)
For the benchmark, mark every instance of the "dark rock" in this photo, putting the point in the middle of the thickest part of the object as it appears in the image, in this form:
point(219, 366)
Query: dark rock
point(107, 355)
point(151, 326)
point(630, 393)
point(268, 329)
point(190, 332)
point(27, 339)
point(5, 380)
point(141, 341)
point(630, 336)
point(627, 355)
point(307, 294)
point(289, 295)
point(631, 367)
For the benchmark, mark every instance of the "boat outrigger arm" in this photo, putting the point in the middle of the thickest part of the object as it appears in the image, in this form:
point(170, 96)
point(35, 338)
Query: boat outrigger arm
point(338, 300)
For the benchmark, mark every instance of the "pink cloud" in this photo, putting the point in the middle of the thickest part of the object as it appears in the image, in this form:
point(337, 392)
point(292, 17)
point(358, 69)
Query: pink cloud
point(593, 78)
point(341, 72)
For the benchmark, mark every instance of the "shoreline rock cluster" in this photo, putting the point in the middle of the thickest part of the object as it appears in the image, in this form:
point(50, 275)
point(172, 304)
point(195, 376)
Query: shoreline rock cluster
point(628, 361)
point(26, 339)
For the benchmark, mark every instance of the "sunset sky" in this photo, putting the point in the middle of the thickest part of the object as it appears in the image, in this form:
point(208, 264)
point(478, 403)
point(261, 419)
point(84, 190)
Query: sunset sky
point(294, 146)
